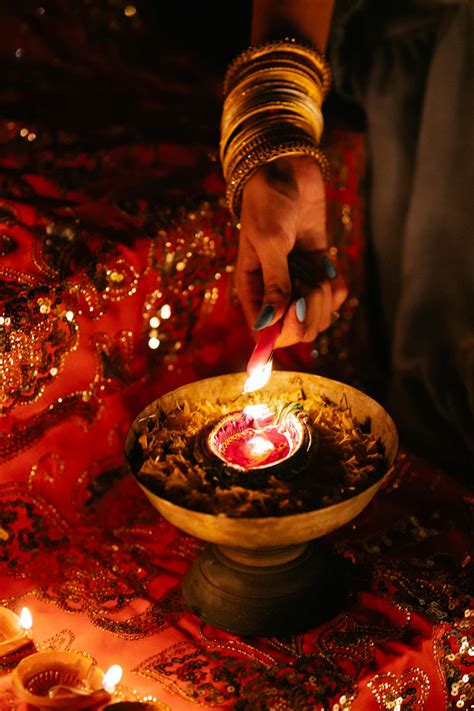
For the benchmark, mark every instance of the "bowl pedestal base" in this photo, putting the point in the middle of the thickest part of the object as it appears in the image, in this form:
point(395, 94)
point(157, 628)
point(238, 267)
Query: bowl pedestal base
point(265, 592)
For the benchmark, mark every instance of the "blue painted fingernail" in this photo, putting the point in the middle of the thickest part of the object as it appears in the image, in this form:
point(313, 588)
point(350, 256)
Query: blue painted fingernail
point(329, 268)
point(300, 308)
point(265, 317)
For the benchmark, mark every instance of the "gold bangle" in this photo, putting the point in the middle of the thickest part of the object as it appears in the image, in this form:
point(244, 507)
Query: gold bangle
point(251, 105)
point(279, 128)
point(291, 89)
point(274, 93)
point(266, 154)
point(242, 107)
point(311, 117)
point(284, 64)
point(257, 100)
point(263, 79)
point(279, 52)
point(291, 46)
point(277, 132)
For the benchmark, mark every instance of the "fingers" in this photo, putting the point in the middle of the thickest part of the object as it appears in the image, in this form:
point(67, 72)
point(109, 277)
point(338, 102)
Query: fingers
point(293, 330)
point(262, 275)
point(283, 232)
point(339, 291)
point(249, 280)
point(262, 281)
point(304, 324)
point(276, 281)
point(320, 308)
point(306, 317)
point(318, 314)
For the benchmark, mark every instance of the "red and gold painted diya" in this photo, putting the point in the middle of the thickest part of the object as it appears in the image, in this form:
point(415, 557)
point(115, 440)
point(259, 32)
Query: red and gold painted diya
point(259, 437)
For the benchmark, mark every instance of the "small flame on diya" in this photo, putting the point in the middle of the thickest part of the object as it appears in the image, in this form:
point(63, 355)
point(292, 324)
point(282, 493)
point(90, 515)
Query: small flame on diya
point(112, 677)
point(26, 619)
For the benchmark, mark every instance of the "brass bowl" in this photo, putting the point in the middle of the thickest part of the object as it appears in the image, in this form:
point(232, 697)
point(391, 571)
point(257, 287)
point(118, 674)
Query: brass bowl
point(267, 576)
point(268, 532)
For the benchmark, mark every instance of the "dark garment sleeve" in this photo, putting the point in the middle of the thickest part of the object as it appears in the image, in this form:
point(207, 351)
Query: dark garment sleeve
point(412, 71)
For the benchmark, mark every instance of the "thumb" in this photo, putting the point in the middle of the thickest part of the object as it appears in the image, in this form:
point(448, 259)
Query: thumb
point(276, 282)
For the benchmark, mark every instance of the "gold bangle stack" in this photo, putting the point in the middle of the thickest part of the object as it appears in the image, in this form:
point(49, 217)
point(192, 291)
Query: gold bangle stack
point(272, 108)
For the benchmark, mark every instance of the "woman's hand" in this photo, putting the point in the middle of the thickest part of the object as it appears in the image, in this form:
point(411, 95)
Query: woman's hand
point(284, 213)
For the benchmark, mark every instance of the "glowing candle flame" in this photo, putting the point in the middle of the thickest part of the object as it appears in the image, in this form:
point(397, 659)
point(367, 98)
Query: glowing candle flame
point(259, 446)
point(258, 377)
point(26, 620)
point(112, 677)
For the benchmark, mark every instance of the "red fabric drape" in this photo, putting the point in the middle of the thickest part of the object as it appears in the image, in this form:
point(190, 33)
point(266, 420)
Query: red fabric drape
point(110, 210)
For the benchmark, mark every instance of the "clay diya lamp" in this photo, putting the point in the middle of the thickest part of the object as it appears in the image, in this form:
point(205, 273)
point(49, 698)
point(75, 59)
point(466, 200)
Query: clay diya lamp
point(15, 630)
point(63, 681)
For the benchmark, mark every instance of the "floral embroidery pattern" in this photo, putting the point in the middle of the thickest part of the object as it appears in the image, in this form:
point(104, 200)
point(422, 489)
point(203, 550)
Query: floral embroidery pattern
point(454, 655)
point(37, 330)
point(408, 691)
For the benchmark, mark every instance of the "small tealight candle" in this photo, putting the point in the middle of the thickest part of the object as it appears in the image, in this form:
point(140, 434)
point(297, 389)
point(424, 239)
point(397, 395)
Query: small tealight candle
point(14, 630)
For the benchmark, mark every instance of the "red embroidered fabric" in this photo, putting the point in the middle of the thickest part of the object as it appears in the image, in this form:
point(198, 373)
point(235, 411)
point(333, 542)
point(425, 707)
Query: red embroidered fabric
point(116, 259)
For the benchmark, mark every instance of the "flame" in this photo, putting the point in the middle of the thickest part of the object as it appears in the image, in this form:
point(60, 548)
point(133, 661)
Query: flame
point(258, 377)
point(26, 620)
point(259, 446)
point(112, 677)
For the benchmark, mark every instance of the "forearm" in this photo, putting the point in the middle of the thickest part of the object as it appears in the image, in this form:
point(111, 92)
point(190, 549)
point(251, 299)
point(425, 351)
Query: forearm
point(304, 20)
